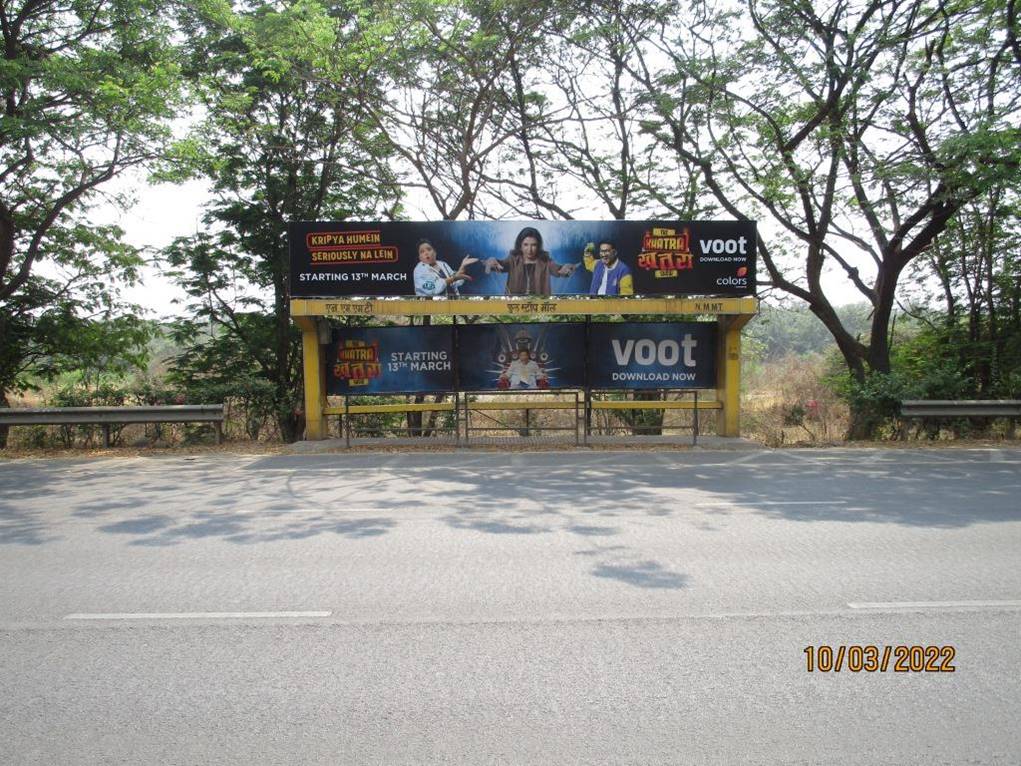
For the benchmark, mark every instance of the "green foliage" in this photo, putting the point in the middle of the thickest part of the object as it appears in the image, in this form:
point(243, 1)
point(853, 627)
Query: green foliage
point(51, 327)
point(931, 363)
point(978, 286)
point(216, 368)
point(376, 424)
point(282, 140)
point(88, 89)
point(87, 92)
point(808, 148)
point(79, 394)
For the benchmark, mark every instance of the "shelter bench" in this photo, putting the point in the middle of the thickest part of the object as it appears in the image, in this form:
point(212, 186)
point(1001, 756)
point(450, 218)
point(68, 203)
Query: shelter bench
point(947, 409)
point(111, 416)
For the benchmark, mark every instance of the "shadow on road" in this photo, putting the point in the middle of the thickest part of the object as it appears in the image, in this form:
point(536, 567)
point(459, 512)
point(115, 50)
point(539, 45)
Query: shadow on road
point(589, 495)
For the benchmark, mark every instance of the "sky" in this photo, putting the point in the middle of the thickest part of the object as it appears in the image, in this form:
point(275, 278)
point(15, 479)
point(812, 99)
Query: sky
point(161, 213)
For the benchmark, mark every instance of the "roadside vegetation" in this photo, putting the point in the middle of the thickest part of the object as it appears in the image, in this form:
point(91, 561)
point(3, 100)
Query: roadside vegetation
point(877, 144)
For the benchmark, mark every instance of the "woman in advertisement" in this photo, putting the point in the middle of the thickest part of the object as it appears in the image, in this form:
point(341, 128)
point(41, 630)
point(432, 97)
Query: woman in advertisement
point(435, 277)
point(529, 267)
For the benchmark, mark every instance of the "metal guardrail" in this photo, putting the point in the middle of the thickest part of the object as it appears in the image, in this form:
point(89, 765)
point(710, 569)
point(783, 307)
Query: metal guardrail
point(110, 416)
point(964, 408)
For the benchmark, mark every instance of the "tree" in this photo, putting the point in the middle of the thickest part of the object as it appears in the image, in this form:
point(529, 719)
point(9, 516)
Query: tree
point(856, 133)
point(282, 141)
point(87, 89)
point(977, 325)
point(73, 322)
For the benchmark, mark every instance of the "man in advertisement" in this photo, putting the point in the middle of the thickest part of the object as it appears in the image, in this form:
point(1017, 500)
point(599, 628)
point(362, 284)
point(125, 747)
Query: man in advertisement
point(610, 275)
point(435, 277)
point(523, 372)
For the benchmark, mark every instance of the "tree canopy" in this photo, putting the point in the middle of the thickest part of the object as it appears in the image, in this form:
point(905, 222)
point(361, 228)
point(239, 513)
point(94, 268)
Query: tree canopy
point(88, 89)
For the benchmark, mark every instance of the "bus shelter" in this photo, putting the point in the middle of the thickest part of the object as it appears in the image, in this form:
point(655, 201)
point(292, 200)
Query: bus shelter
point(317, 318)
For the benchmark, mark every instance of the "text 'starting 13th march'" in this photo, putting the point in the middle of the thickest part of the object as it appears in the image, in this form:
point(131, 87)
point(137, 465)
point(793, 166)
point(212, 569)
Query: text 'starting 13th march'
point(513, 356)
point(489, 258)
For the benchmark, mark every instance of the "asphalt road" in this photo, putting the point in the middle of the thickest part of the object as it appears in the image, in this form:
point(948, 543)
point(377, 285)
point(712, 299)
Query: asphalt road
point(462, 607)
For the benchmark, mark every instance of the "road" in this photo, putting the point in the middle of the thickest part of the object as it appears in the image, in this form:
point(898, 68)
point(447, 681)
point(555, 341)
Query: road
point(479, 607)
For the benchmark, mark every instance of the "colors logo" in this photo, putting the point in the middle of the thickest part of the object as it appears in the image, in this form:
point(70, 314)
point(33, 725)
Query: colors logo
point(741, 280)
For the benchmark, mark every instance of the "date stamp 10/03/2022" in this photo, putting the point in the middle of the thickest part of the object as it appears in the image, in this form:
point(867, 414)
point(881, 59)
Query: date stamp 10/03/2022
point(869, 658)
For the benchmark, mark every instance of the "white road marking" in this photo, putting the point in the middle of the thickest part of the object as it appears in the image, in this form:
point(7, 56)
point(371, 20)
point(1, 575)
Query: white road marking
point(191, 615)
point(755, 503)
point(933, 604)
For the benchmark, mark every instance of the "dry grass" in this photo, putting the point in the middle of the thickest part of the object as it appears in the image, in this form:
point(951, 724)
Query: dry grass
point(177, 450)
point(787, 404)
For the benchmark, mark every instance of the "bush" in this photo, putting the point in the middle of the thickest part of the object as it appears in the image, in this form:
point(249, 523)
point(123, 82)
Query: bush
point(787, 401)
point(105, 394)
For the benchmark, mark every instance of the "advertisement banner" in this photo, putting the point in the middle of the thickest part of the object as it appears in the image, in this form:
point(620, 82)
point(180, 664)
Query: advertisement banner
point(500, 357)
point(635, 355)
point(377, 360)
point(469, 258)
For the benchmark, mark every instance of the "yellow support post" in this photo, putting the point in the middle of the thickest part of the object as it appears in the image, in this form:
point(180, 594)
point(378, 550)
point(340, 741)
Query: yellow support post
point(728, 370)
point(315, 388)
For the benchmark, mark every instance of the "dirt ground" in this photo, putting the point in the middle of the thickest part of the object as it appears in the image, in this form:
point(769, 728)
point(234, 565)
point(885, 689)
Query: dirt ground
point(276, 448)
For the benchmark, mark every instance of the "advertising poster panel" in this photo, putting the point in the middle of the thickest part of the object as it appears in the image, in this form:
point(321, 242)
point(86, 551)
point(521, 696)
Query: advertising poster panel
point(500, 357)
point(469, 258)
point(376, 360)
point(635, 355)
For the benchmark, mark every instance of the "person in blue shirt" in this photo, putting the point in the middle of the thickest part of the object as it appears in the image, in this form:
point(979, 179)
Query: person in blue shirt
point(610, 275)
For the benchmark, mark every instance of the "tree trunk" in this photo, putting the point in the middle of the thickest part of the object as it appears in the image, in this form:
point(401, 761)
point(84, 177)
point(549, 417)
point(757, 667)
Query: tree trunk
point(647, 422)
point(415, 418)
point(291, 424)
point(430, 428)
point(4, 429)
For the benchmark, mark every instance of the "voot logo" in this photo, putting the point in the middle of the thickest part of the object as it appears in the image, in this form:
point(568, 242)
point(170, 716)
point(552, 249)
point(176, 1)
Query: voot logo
point(646, 352)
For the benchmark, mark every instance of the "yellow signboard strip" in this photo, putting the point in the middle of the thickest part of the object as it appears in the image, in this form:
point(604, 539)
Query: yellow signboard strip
point(520, 306)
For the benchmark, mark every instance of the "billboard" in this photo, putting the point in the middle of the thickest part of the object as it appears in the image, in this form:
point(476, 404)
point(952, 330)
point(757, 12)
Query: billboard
point(480, 258)
point(637, 355)
point(520, 356)
point(376, 360)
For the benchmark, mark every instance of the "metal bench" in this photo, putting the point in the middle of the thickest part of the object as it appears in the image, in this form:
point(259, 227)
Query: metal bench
point(111, 416)
point(946, 409)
